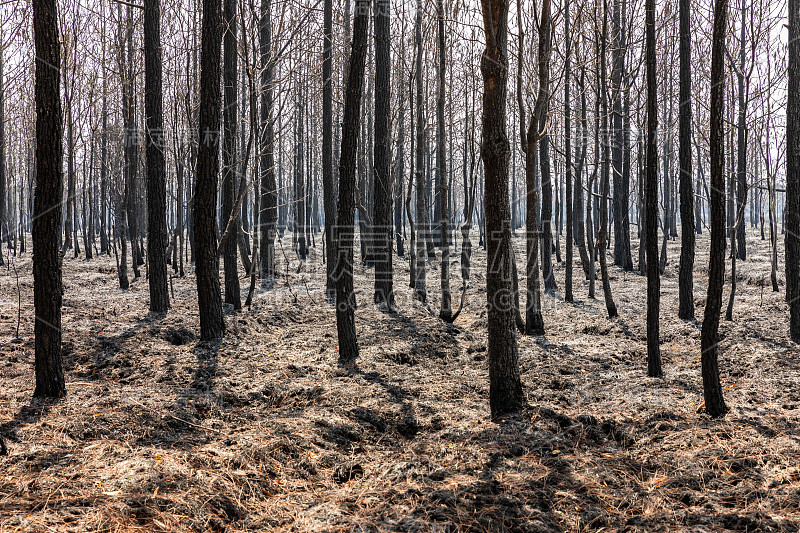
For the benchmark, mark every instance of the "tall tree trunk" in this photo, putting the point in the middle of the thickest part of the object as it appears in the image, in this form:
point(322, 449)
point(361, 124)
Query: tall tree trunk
point(534, 322)
point(229, 165)
point(3, 228)
point(602, 234)
point(578, 203)
point(544, 153)
point(567, 157)
point(651, 201)
point(156, 170)
point(47, 285)
point(685, 278)
point(445, 311)
point(622, 244)
point(212, 324)
point(382, 213)
point(131, 147)
point(505, 386)
point(268, 214)
point(328, 183)
point(422, 223)
point(792, 208)
point(345, 295)
point(741, 150)
point(709, 336)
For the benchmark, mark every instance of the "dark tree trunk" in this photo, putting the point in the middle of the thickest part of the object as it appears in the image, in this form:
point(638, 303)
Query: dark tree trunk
point(399, 168)
point(299, 184)
point(345, 295)
point(741, 150)
point(131, 148)
point(47, 285)
point(709, 337)
point(534, 322)
point(104, 247)
point(268, 214)
point(328, 183)
point(567, 157)
point(685, 278)
point(505, 386)
point(544, 166)
point(622, 241)
point(792, 208)
point(423, 226)
point(602, 234)
point(3, 230)
point(651, 201)
point(156, 170)
point(382, 213)
point(578, 203)
point(212, 324)
point(445, 311)
point(229, 166)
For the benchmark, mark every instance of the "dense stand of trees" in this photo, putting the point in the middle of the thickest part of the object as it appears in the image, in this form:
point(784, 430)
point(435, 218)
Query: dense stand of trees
point(138, 170)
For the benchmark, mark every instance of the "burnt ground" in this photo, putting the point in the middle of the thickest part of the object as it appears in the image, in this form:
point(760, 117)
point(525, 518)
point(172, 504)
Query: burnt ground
point(262, 432)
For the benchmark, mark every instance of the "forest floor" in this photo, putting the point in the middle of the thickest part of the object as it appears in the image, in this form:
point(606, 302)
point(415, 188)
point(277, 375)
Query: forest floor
point(262, 431)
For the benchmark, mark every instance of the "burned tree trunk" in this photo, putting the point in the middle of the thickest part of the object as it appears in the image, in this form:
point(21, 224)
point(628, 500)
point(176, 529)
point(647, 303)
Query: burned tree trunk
point(47, 200)
point(709, 337)
point(382, 213)
point(505, 386)
point(212, 324)
point(156, 166)
point(229, 166)
point(685, 278)
point(651, 201)
point(346, 206)
point(793, 174)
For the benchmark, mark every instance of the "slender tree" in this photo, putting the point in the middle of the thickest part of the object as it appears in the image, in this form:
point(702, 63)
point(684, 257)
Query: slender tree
point(156, 166)
point(602, 233)
point(346, 206)
point(212, 324)
point(685, 290)
point(545, 29)
point(422, 225)
point(741, 150)
point(3, 230)
point(793, 174)
point(709, 336)
point(229, 165)
point(651, 197)
point(505, 386)
point(47, 200)
point(328, 183)
point(446, 310)
point(382, 212)
point(269, 190)
point(568, 154)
